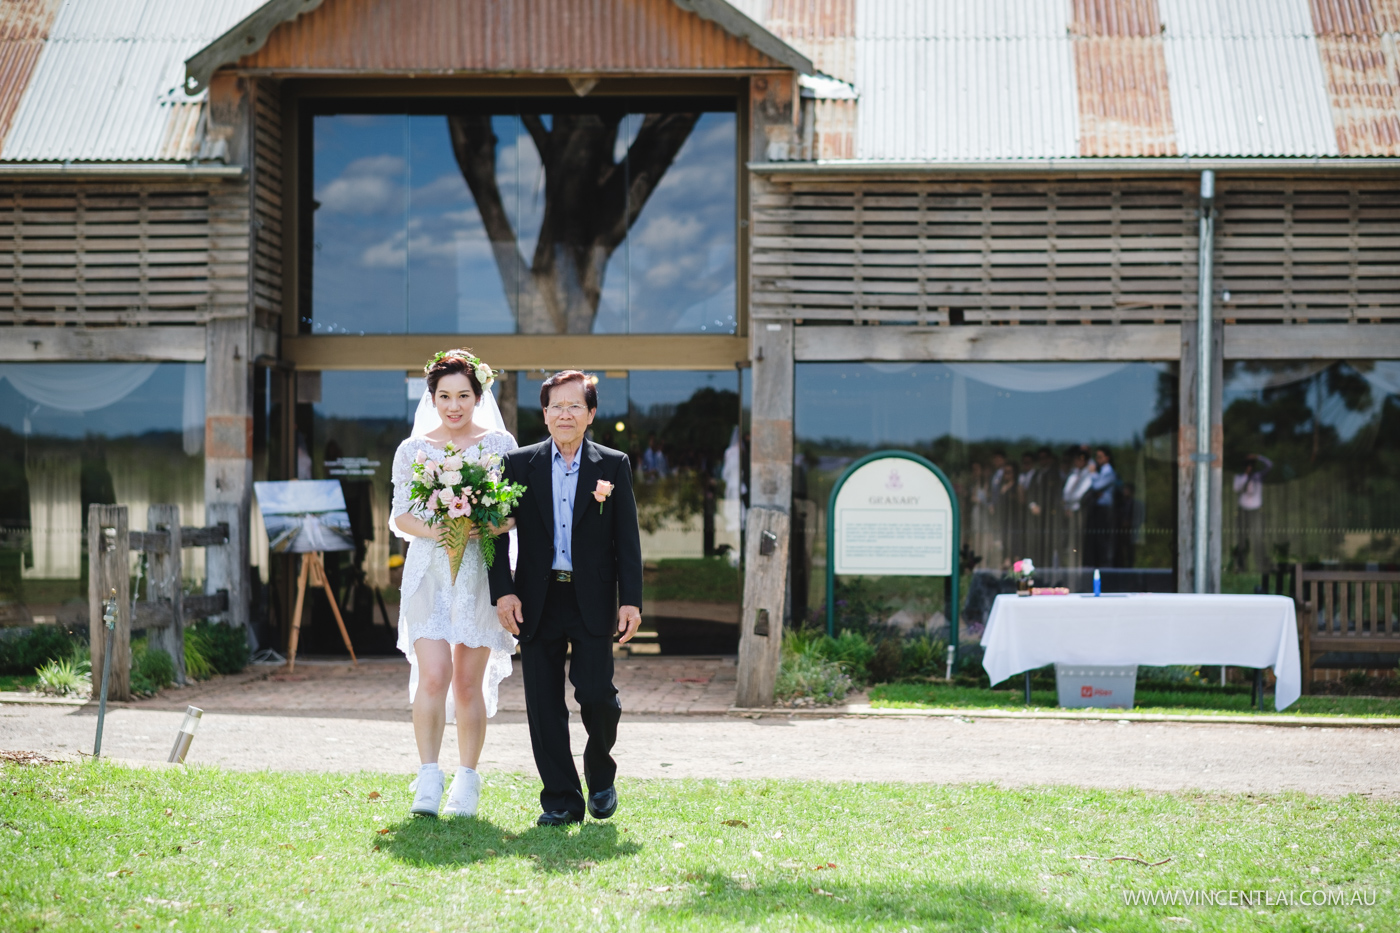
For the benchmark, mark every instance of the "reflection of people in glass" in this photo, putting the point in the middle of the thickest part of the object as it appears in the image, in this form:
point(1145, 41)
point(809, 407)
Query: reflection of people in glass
point(978, 497)
point(1072, 495)
point(1249, 485)
point(653, 460)
point(448, 629)
point(1100, 527)
point(999, 507)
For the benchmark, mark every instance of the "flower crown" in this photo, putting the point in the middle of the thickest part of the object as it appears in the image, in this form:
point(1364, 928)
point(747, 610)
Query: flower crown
point(483, 373)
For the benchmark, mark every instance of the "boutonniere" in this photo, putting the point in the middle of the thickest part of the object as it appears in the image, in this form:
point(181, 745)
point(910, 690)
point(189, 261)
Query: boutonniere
point(601, 492)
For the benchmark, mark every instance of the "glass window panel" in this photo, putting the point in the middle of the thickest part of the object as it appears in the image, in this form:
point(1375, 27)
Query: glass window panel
point(681, 271)
point(359, 269)
point(573, 218)
point(357, 427)
point(1003, 433)
point(1312, 466)
point(78, 433)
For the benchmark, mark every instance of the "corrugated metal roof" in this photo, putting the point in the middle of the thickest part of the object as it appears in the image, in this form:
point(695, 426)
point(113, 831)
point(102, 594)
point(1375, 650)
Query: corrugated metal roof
point(1246, 78)
point(825, 30)
point(1358, 44)
point(104, 87)
point(24, 25)
point(991, 80)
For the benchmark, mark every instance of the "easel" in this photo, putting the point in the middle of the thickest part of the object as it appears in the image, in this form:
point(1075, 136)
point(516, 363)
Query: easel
point(313, 570)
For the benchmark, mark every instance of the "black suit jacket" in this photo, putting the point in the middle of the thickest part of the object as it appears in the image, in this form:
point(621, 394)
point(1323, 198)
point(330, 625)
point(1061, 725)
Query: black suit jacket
point(606, 546)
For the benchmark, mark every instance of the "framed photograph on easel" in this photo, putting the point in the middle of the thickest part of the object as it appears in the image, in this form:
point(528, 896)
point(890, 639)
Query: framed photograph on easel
point(307, 517)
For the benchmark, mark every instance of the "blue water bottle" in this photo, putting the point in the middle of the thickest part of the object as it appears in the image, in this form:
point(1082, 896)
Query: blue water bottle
point(1098, 583)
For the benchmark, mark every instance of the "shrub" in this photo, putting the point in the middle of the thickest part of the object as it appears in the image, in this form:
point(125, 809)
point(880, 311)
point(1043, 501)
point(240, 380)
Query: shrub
point(65, 677)
point(924, 657)
point(809, 678)
point(197, 665)
point(852, 650)
point(888, 661)
point(225, 647)
point(152, 669)
point(26, 653)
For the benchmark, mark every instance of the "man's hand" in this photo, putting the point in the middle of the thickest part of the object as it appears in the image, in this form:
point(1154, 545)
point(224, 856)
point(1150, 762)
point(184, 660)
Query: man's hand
point(508, 612)
point(629, 619)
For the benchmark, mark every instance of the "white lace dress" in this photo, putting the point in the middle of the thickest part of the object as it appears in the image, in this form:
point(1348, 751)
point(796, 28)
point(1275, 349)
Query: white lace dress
point(430, 604)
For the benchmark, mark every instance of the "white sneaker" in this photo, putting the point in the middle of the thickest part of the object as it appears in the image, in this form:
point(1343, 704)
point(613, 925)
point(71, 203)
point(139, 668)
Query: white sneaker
point(465, 795)
point(429, 796)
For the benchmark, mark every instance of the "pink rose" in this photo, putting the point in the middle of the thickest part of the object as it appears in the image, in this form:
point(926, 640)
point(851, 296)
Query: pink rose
point(602, 490)
point(420, 457)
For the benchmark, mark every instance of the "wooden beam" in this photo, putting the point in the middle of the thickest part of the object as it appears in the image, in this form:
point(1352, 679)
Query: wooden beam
point(765, 593)
point(138, 344)
point(977, 343)
point(407, 352)
point(1312, 341)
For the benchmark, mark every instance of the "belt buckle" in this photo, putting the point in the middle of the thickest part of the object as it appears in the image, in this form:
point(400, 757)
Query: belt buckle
point(563, 576)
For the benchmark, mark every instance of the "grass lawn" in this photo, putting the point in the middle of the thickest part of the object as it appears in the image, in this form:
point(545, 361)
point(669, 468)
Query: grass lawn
point(699, 579)
point(1145, 699)
point(12, 682)
point(101, 847)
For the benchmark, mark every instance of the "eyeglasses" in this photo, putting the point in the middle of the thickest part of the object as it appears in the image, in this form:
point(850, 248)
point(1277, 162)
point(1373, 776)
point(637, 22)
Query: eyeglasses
point(574, 411)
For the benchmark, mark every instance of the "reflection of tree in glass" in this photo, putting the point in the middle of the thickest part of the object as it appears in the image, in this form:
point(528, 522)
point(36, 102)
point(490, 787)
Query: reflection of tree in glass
point(591, 201)
point(694, 436)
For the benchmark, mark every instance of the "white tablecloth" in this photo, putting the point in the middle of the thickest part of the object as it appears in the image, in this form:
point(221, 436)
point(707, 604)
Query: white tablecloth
point(1024, 633)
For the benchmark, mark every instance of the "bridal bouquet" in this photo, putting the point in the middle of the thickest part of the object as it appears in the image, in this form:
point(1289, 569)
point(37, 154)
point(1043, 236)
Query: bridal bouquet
point(463, 489)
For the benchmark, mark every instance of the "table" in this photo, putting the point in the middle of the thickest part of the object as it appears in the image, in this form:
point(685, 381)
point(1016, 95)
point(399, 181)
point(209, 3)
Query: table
point(1024, 633)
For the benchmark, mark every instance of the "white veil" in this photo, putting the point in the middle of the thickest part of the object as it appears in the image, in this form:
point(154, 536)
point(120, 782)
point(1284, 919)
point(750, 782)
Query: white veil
point(487, 414)
point(425, 421)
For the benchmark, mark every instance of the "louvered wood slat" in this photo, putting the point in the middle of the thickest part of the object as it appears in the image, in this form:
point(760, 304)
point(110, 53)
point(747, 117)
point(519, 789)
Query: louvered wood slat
point(976, 252)
point(95, 254)
point(1308, 251)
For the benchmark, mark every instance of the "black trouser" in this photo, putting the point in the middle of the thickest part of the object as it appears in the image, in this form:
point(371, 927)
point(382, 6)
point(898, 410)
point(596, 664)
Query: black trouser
point(1099, 549)
point(591, 673)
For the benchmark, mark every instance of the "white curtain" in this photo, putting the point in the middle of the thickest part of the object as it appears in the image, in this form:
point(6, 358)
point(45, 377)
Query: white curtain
point(55, 517)
point(1384, 377)
point(192, 415)
point(77, 387)
point(1032, 377)
point(732, 474)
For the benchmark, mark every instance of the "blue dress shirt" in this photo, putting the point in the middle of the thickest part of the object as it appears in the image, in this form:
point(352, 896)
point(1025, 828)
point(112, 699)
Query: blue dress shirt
point(565, 483)
point(1103, 482)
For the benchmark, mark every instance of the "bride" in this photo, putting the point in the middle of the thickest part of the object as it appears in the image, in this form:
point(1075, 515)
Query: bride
point(457, 649)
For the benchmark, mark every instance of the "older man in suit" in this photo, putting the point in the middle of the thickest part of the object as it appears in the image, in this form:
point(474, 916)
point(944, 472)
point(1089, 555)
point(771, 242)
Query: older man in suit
point(578, 578)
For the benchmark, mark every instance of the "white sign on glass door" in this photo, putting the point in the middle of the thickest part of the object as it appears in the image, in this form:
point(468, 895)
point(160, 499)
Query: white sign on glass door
point(893, 516)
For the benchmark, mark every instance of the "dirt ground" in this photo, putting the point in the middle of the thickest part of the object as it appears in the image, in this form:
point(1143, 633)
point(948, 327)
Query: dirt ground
point(1151, 756)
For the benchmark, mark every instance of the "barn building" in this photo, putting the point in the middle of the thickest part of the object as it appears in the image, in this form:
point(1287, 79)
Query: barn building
point(783, 233)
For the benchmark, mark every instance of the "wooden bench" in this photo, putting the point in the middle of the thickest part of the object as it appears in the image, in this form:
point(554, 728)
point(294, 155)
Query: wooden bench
point(1345, 610)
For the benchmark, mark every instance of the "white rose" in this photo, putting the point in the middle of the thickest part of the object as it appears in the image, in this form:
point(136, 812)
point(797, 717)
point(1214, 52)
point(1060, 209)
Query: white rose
point(451, 478)
point(452, 463)
point(484, 375)
point(488, 501)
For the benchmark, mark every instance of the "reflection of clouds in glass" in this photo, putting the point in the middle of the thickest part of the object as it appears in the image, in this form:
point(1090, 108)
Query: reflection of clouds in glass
point(390, 258)
point(371, 185)
point(682, 260)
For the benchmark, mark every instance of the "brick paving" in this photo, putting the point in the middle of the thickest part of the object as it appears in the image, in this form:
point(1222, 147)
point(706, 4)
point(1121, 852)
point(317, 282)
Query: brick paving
point(378, 688)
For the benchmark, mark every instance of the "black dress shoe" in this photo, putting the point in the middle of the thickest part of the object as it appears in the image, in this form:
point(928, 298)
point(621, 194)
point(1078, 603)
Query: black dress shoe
point(603, 804)
point(557, 818)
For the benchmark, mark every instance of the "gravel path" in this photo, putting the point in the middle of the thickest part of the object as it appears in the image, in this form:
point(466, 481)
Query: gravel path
point(1151, 756)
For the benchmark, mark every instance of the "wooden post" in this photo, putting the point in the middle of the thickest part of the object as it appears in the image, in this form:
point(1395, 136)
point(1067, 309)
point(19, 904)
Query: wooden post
point(108, 547)
point(761, 625)
point(164, 584)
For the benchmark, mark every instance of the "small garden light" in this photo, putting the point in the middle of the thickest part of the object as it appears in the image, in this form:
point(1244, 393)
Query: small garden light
point(185, 736)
